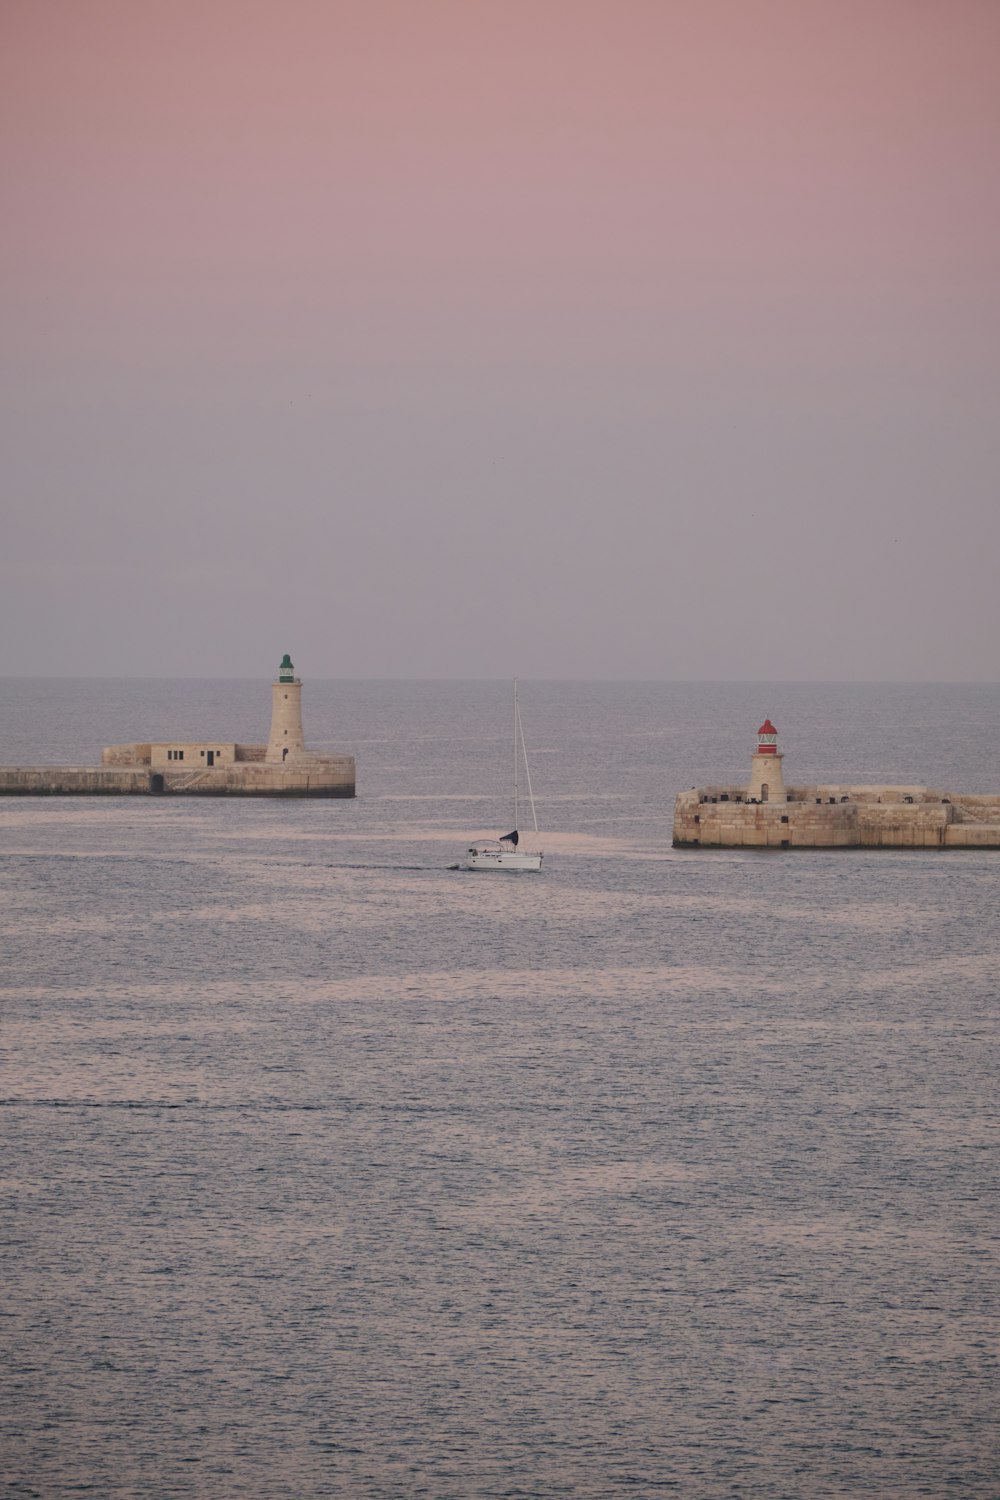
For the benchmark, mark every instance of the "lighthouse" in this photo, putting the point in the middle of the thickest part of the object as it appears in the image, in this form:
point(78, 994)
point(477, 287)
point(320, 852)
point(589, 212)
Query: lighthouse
point(767, 784)
point(286, 739)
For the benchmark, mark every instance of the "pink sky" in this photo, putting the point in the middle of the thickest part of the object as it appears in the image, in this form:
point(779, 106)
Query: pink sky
point(637, 271)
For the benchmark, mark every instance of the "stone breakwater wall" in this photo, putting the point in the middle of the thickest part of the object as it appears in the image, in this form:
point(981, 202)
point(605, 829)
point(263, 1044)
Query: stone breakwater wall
point(307, 776)
point(72, 781)
point(837, 817)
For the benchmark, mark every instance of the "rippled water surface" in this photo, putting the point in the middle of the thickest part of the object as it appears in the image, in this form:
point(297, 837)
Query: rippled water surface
point(329, 1170)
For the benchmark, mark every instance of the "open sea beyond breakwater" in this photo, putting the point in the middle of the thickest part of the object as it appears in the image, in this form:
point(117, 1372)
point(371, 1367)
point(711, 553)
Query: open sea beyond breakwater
point(328, 1170)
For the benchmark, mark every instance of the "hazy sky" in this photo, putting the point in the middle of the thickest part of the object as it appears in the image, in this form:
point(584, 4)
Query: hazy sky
point(594, 338)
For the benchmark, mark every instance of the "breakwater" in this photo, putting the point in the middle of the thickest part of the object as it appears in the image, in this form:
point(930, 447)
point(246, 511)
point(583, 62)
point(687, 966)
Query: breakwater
point(836, 817)
point(765, 813)
point(284, 767)
point(326, 776)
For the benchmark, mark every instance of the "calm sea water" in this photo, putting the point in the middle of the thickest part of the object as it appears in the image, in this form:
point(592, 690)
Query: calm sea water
point(328, 1170)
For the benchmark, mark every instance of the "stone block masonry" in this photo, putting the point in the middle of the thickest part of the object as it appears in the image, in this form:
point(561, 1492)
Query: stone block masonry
point(204, 768)
point(841, 816)
point(74, 781)
point(713, 818)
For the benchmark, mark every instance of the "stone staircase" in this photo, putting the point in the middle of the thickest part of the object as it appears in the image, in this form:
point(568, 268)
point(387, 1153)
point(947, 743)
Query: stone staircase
point(986, 815)
point(187, 781)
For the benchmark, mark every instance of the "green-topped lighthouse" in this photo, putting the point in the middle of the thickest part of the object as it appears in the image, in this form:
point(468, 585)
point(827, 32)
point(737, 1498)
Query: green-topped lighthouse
point(286, 740)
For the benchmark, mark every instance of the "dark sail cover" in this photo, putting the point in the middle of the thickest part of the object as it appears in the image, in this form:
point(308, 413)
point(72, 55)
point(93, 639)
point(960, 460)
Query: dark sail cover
point(509, 838)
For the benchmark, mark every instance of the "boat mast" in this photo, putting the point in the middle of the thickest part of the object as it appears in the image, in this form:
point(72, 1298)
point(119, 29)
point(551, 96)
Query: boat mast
point(516, 752)
point(527, 770)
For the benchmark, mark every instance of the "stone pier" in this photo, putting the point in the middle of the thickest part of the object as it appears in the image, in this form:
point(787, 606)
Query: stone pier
point(202, 768)
point(830, 816)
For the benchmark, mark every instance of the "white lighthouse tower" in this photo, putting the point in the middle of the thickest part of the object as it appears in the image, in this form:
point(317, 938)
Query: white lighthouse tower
point(767, 784)
point(286, 740)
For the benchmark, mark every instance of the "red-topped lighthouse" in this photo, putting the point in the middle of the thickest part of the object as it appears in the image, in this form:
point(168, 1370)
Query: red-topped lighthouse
point(767, 784)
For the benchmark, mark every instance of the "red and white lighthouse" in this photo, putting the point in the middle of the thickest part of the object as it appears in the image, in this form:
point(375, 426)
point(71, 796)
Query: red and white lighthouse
point(767, 784)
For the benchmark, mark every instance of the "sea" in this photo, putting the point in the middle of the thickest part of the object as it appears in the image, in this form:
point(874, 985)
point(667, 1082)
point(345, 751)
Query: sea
point(328, 1168)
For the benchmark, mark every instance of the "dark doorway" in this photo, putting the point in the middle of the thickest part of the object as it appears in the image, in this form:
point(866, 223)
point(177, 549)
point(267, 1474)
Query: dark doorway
point(210, 757)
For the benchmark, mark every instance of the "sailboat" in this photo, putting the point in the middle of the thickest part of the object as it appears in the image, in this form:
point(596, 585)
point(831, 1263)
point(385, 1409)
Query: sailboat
point(503, 853)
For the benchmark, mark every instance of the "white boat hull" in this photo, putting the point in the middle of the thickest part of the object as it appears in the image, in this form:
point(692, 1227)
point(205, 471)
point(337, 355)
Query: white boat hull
point(494, 857)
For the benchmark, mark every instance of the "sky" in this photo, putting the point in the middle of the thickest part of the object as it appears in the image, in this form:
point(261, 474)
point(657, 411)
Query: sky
point(482, 338)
